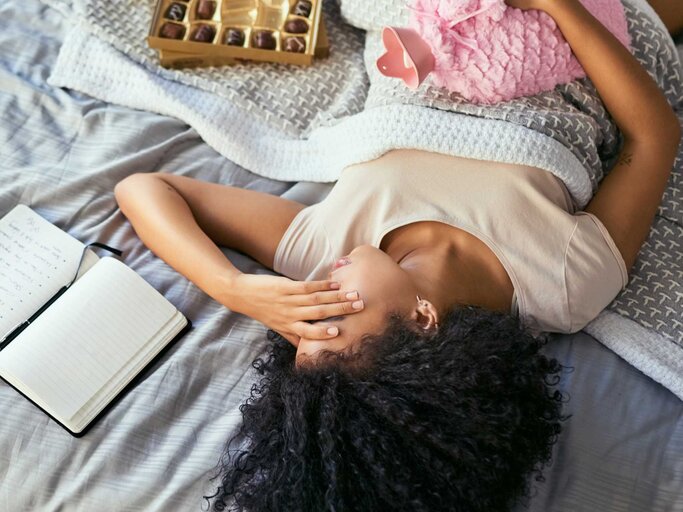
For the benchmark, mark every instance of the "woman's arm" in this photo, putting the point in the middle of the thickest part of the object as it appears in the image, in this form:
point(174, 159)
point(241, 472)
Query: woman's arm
point(181, 220)
point(671, 13)
point(632, 98)
point(628, 198)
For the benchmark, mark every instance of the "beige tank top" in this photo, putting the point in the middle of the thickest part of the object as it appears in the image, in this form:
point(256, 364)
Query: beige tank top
point(564, 267)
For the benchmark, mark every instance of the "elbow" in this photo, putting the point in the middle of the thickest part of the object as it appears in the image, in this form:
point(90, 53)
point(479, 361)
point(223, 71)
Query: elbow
point(677, 132)
point(674, 138)
point(125, 188)
point(670, 127)
point(129, 191)
point(671, 130)
point(665, 137)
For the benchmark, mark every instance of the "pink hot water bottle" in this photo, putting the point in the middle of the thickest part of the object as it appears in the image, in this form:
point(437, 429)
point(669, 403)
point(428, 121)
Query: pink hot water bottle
point(485, 50)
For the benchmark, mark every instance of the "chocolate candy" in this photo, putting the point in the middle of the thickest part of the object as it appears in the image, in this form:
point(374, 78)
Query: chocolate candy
point(176, 12)
point(205, 9)
point(302, 8)
point(172, 31)
point(296, 26)
point(203, 34)
point(296, 44)
point(264, 39)
point(234, 37)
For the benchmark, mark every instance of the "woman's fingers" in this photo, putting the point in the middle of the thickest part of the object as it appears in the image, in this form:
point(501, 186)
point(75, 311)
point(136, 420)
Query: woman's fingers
point(315, 332)
point(306, 287)
point(328, 310)
point(324, 303)
point(330, 297)
point(310, 332)
point(292, 338)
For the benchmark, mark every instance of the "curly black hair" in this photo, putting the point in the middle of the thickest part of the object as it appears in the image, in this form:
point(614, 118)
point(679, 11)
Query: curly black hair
point(458, 420)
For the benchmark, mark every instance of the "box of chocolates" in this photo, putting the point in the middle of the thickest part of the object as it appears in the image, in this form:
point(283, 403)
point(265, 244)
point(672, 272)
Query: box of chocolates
point(180, 60)
point(218, 31)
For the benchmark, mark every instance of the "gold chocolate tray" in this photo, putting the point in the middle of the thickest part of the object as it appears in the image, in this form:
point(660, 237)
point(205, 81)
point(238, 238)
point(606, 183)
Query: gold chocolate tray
point(283, 31)
point(178, 60)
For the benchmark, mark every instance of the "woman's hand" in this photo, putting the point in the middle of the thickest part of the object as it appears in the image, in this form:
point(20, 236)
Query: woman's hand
point(284, 305)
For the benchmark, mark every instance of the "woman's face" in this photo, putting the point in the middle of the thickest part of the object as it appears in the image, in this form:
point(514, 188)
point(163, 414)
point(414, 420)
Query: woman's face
point(382, 285)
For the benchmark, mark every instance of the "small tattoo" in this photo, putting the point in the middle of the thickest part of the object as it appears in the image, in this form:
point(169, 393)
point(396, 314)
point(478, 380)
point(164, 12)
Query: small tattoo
point(625, 159)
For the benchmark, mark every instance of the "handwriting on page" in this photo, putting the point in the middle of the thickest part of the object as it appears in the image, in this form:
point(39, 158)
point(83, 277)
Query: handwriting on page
point(36, 260)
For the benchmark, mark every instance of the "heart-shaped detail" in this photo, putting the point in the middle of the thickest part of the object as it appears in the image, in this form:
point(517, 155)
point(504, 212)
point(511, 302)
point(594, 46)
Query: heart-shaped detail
point(408, 56)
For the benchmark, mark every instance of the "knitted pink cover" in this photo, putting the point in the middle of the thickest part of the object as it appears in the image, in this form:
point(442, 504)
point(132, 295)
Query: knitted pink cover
point(490, 52)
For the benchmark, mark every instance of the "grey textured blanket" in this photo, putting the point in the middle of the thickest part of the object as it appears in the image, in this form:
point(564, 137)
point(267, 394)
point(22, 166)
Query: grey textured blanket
point(343, 107)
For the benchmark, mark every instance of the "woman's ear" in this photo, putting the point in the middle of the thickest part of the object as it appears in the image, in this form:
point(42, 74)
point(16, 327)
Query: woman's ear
point(425, 315)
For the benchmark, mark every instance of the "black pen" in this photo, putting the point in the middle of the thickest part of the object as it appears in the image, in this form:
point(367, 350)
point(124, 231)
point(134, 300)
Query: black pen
point(17, 331)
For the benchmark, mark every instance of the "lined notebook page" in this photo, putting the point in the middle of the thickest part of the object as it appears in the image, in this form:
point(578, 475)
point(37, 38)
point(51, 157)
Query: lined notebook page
point(116, 385)
point(36, 260)
point(86, 337)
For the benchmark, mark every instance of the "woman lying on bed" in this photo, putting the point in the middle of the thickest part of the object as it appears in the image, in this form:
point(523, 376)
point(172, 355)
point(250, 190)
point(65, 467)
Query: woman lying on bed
point(412, 384)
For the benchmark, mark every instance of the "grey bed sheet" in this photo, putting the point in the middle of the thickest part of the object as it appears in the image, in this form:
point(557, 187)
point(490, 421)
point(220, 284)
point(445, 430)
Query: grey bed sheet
point(62, 154)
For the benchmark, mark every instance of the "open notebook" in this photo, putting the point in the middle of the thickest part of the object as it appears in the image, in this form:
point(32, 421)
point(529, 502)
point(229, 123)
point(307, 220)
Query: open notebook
point(79, 353)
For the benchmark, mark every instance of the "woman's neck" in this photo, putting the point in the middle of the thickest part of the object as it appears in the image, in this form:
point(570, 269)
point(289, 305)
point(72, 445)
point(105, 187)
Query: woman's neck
point(451, 267)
